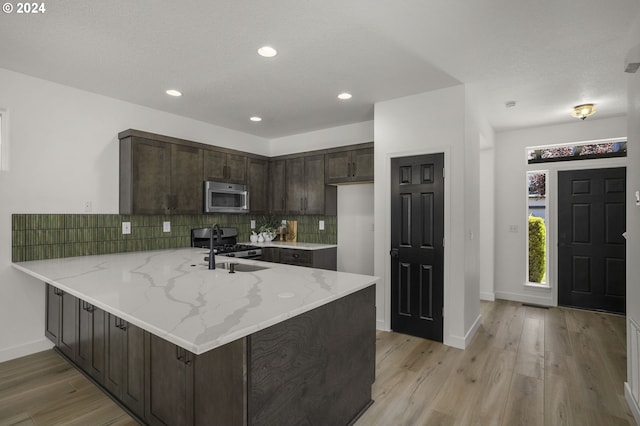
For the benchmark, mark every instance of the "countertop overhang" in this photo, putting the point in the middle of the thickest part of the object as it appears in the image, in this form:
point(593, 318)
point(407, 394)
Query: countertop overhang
point(172, 293)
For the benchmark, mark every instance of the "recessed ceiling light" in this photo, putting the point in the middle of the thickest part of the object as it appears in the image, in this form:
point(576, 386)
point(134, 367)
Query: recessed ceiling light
point(267, 51)
point(255, 118)
point(173, 92)
point(344, 96)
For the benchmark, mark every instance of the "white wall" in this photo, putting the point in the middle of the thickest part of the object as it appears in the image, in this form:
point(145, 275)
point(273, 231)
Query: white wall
point(64, 151)
point(632, 388)
point(326, 138)
point(510, 201)
point(355, 229)
point(429, 123)
point(487, 221)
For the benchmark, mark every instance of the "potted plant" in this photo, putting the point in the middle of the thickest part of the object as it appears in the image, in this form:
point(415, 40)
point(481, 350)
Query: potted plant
point(268, 227)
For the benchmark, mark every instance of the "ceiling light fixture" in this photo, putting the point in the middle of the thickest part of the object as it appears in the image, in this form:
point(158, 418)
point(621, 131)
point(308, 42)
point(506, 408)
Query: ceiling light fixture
point(173, 92)
point(255, 118)
point(344, 96)
point(583, 111)
point(267, 52)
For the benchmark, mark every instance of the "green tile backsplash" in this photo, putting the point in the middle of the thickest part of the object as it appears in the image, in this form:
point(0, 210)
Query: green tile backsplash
point(47, 236)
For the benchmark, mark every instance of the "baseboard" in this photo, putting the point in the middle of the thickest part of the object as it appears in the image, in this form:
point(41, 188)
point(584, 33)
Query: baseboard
point(382, 325)
point(25, 349)
point(631, 401)
point(472, 331)
point(524, 298)
point(489, 297)
point(460, 342)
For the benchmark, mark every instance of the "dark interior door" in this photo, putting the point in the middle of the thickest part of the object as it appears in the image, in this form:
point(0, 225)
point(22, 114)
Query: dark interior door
point(417, 250)
point(591, 248)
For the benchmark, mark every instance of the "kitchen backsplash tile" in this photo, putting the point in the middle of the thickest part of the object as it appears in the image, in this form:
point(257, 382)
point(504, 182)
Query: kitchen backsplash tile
point(48, 236)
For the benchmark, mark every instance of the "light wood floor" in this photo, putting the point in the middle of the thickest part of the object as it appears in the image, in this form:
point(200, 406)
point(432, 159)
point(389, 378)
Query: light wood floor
point(525, 366)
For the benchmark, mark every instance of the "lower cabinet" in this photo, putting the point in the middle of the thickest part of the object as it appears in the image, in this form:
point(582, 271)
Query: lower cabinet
point(125, 358)
point(62, 320)
point(91, 340)
point(185, 389)
point(321, 259)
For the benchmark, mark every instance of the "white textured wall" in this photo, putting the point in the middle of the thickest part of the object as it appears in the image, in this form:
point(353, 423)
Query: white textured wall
point(355, 229)
point(510, 198)
point(426, 123)
point(64, 151)
point(326, 138)
point(487, 222)
point(633, 229)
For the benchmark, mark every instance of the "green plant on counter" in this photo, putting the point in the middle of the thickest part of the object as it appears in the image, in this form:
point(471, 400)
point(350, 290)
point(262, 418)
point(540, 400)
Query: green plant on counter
point(268, 224)
point(537, 249)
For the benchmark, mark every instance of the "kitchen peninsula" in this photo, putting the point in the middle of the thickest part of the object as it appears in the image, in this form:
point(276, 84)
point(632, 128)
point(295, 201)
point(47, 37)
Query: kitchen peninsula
point(188, 345)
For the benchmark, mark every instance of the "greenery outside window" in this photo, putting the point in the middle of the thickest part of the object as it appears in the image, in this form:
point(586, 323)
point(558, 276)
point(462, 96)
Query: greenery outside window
point(537, 240)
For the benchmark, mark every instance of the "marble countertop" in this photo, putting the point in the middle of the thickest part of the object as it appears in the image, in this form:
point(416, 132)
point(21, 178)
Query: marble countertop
point(293, 245)
point(172, 293)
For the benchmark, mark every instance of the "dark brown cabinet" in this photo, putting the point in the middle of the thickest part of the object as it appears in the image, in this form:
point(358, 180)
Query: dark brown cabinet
point(159, 178)
point(306, 192)
point(61, 320)
point(225, 167)
point(91, 340)
point(258, 185)
point(321, 259)
point(277, 186)
point(349, 166)
point(125, 358)
point(185, 389)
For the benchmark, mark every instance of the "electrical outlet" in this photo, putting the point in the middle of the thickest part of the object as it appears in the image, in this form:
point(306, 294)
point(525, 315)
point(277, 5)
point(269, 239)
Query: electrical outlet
point(166, 226)
point(321, 225)
point(126, 228)
point(88, 207)
point(253, 224)
point(513, 228)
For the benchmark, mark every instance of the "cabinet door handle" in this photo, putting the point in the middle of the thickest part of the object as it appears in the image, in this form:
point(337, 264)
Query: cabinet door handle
point(296, 255)
point(349, 168)
point(282, 203)
point(178, 353)
point(301, 204)
point(306, 203)
point(187, 358)
point(354, 168)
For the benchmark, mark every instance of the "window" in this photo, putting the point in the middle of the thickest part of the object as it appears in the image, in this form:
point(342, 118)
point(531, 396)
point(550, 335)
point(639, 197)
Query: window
point(537, 240)
point(578, 151)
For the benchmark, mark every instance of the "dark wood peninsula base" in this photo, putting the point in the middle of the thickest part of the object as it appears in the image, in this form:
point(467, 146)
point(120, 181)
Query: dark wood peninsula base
point(316, 368)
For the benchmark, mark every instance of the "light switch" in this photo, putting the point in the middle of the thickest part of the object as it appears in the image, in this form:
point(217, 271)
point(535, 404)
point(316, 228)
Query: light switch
point(166, 226)
point(321, 225)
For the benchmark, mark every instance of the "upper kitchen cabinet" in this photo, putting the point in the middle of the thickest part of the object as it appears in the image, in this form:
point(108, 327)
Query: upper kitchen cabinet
point(306, 192)
point(277, 186)
point(352, 166)
point(258, 185)
point(225, 167)
point(157, 177)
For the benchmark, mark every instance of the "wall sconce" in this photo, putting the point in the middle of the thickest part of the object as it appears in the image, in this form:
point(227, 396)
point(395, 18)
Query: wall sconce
point(583, 111)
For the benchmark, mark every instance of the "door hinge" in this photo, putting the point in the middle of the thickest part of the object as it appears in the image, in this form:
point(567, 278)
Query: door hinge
point(442, 241)
point(443, 173)
point(443, 312)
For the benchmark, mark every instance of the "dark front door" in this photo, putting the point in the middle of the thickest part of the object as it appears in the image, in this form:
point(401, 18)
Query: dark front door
point(591, 248)
point(417, 250)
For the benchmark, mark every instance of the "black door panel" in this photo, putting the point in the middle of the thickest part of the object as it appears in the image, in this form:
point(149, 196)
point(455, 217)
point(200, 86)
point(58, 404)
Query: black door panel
point(417, 251)
point(591, 248)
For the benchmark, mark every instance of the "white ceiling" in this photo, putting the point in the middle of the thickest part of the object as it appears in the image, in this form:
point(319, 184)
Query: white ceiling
point(548, 55)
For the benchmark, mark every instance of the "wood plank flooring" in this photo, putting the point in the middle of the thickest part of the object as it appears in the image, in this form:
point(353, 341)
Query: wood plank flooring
point(525, 366)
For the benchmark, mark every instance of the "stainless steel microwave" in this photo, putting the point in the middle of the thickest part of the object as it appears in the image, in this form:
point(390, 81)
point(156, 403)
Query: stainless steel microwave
point(221, 197)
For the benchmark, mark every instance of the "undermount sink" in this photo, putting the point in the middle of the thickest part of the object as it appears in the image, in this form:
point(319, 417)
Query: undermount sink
point(240, 267)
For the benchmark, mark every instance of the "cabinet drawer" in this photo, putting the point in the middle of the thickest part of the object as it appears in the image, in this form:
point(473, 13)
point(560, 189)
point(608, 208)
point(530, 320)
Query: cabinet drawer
point(296, 257)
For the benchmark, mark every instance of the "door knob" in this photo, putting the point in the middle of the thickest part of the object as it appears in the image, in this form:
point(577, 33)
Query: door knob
point(394, 252)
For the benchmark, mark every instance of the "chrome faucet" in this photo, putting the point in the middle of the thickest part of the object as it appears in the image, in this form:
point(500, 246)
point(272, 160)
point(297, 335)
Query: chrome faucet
point(212, 253)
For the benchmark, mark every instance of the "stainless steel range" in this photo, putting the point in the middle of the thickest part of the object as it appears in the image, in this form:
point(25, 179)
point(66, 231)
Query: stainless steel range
point(225, 244)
